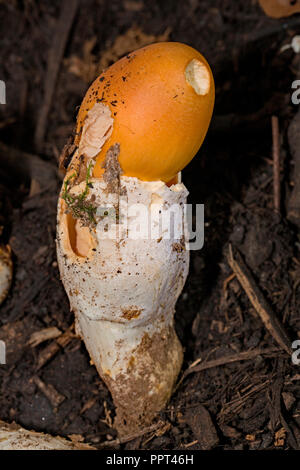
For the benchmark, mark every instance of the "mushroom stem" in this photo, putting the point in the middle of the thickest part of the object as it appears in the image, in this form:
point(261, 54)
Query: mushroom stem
point(139, 365)
point(123, 296)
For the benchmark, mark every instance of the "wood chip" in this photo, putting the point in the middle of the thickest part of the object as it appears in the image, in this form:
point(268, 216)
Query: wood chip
point(229, 431)
point(203, 428)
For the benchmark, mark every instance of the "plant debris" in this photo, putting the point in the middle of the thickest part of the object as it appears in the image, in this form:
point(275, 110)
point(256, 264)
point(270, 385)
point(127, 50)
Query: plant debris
point(79, 205)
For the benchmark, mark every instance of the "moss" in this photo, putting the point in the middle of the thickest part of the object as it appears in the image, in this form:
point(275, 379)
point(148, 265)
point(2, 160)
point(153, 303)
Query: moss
point(79, 206)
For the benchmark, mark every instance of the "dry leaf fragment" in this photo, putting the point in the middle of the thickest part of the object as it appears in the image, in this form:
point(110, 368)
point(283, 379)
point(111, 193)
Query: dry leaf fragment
point(89, 67)
point(280, 8)
point(280, 437)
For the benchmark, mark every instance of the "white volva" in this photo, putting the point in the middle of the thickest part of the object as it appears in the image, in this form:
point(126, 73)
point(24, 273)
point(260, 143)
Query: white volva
point(124, 290)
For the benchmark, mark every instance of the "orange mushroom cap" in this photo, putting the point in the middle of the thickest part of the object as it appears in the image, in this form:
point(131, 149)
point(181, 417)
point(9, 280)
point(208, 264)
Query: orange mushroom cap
point(161, 99)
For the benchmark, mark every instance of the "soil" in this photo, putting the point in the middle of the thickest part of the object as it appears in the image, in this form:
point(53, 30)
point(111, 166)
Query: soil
point(241, 405)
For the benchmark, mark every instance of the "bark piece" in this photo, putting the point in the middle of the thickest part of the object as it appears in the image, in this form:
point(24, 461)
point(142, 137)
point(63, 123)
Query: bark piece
point(203, 428)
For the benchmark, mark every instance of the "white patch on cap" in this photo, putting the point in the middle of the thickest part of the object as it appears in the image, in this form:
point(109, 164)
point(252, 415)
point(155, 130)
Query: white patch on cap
point(197, 75)
point(96, 130)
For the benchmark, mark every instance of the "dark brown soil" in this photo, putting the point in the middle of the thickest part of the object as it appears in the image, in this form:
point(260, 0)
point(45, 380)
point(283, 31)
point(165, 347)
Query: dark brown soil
point(248, 404)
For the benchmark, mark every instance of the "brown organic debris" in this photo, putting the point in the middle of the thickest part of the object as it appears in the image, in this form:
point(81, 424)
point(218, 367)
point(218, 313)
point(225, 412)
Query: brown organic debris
point(280, 8)
point(112, 169)
point(276, 162)
point(293, 208)
point(132, 312)
point(242, 356)
point(60, 37)
point(89, 66)
point(52, 349)
point(49, 391)
point(45, 334)
point(203, 428)
point(67, 154)
point(258, 300)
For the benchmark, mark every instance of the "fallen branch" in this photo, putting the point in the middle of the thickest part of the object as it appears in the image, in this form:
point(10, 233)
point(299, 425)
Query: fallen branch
point(242, 356)
point(26, 166)
point(276, 162)
point(293, 207)
point(258, 300)
point(60, 35)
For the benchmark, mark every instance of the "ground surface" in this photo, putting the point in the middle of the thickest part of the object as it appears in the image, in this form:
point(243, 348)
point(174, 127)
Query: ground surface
point(51, 387)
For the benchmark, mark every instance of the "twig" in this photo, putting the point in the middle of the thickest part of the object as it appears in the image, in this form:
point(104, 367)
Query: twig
point(236, 405)
point(49, 351)
point(45, 334)
point(27, 166)
point(276, 162)
point(243, 356)
point(130, 437)
point(65, 21)
point(258, 300)
point(49, 391)
point(293, 209)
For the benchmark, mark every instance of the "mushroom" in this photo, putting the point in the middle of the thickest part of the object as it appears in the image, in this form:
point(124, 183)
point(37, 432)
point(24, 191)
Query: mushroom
point(6, 271)
point(14, 437)
point(140, 123)
point(280, 8)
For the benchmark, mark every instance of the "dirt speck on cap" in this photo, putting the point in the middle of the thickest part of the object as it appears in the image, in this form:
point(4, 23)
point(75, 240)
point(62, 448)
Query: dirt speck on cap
point(112, 169)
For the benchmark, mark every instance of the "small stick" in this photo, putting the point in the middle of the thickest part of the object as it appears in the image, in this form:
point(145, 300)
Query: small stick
point(258, 300)
point(45, 334)
point(60, 35)
point(49, 391)
point(130, 437)
point(52, 349)
point(243, 356)
point(26, 166)
point(276, 162)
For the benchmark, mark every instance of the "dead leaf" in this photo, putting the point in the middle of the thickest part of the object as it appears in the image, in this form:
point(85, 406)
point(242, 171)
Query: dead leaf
point(280, 8)
point(133, 5)
point(280, 437)
point(200, 422)
point(89, 67)
point(85, 67)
